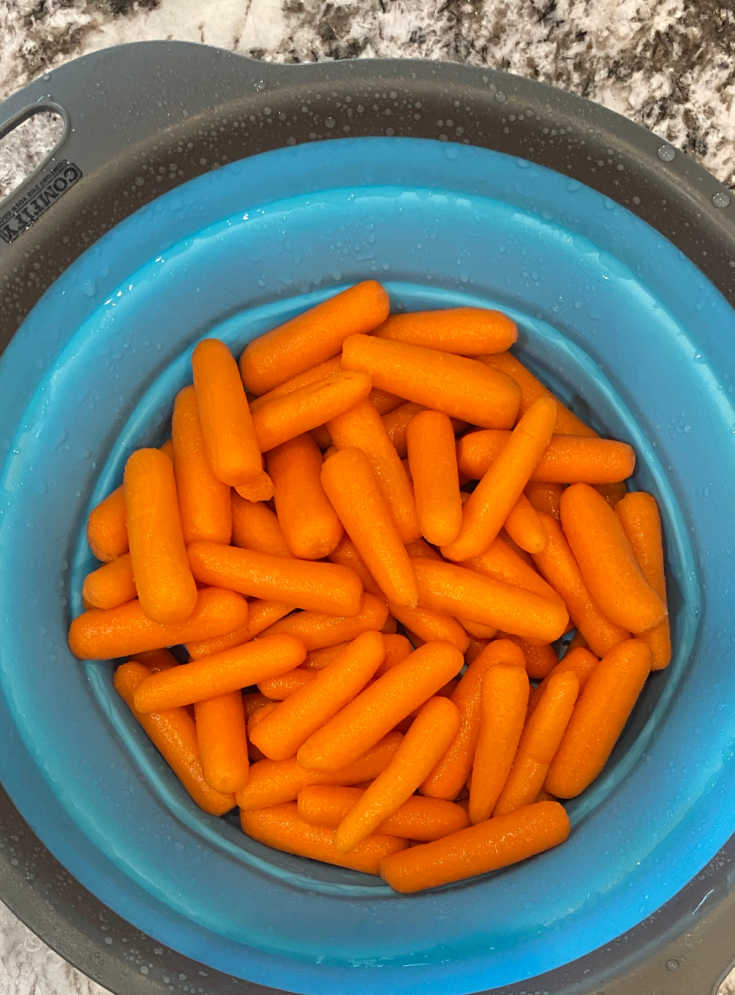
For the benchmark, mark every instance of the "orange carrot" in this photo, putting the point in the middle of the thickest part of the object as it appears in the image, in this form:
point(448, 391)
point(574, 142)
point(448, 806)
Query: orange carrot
point(567, 423)
point(420, 819)
point(383, 401)
point(607, 562)
point(214, 675)
point(469, 331)
point(284, 685)
point(156, 660)
point(540, 657)
point(640, 518)
point(124, 631)
point(396, 424)
point(612, 492)
point(397, 648)
point(576, 642)
point(300, 583)
point(173, 734)
point(539, 742)
point(226, 422)
point(258, 715)
point(313, 336)
point(361, 427)
point(303, 712)
point(449, 776)
point(603, 708)
point(556, 562)
point(432, 459)
point(502, 485)
point(477, 630)
point(306, 517)
point(289, 415)
point(500, 561)
point(431, 625)
point(474, 649)
point(523, 526)
point(253, 701)
point(377, 709)
point(578, 661)
point(314, 373)
point(282, 828)
point(254, 526)
point(110, 585)
point(567, 459)
point(345, 552)
point(478, 849)
point(223, 743)
point(272, 782)
point(317, 630)
point(107, 531)
point(355, 494)
point(446, 587)
point(463, 388)
point(166, 588)
point(426, 740)
point(261, 614)
point(545, 497)
point(502, 714)
point(204, 501)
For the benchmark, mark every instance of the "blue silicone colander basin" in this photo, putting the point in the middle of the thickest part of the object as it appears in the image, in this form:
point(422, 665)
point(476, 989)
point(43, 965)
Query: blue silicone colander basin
point(617, 320)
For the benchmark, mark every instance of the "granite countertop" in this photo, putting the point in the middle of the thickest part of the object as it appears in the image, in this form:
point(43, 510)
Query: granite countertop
point(667, 64)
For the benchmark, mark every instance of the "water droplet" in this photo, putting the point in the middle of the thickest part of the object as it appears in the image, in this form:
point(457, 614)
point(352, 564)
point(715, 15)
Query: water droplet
point(666, 153)
point(721, 199)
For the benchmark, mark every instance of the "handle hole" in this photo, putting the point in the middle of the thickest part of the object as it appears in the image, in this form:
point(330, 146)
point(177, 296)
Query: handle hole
point(25, 143)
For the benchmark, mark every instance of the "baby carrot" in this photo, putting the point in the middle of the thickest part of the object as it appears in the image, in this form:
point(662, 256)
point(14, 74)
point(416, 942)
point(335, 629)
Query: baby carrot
point(432, 459)
point(261, 614)
point(127, 630)
point(612, 492)
point(474, 649)
point(377, 709)
point(225, 419)
point(272, 782)
point(255, 526)
point(319, 372)
point(355, 494)
point(253, 701)
point(156, 660)
point(396, 424)
point(607, 562)
point(502, 714)
point(361, 427)
point(396, 648)
point(469, 331)
point(578, 661)
point(567, 459)
point(461, 387)
point(640, 518)
point(450, 775)
point(523, 526)
point(223, 743)
point(603, 708)
point(281, 734)
point(282, 828)
point(478, 849)
point(345, 552)
point(300, 583)
point(556, 562)
point(173, 734)
point(500, 561)
point(383, 401)
point(107, 531)
point(282, 686)
point(313, 336)
point(428, 737)
point(447, 587)
point(292, 414)
point(163, 578)
point(420, 819)
point(258, 715)
point(545, 497)
point(306, 517)
point(204, 501)
point(431, 625)
point(230, 670)
point(477, 630)
point(567, 423)
point(110, 585)
point(539, 742)
point(502, 485)
point(576, 642)
point(317, 630)
point(540, 658)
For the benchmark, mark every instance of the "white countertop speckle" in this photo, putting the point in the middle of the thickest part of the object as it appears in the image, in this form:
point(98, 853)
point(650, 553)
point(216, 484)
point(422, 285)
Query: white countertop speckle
point(667, 64)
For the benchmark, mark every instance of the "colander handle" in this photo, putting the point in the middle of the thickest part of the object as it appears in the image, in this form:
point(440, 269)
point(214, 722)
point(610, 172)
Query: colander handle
point(99, 99)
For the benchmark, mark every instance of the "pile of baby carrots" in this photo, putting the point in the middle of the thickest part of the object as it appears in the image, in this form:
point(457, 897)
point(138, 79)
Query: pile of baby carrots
point(374, 540)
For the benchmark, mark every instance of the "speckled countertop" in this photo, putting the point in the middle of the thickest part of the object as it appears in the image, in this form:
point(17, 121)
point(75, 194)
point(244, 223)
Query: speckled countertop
point(667, 64)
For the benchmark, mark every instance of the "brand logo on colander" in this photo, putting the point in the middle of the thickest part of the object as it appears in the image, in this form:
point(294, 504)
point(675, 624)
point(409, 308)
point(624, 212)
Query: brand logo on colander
point(36, 201)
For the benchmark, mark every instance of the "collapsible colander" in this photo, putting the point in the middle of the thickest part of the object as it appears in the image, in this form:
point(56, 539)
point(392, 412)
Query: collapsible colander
point(197, 193)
